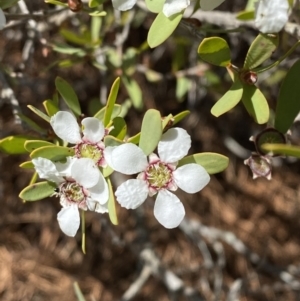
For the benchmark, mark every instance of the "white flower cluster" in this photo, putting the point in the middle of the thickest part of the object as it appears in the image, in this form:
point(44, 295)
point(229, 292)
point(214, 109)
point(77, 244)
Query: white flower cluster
point(81, 185)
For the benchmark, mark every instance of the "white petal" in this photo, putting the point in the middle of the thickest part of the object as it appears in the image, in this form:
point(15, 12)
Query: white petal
point(2, 19)
point(99, 192)
point(132, 193)
point(174, 145)
point(123, 4)
point(85, 172)
point(95, 206)
point(127, 158)
point(172, 7)
point(66, 127)
point(191, 178)
point(46, 169)
point(69, 220)
point(168, 209)
point(64, 169)
point(93, 129)
point(271, 16)
point(210, 4)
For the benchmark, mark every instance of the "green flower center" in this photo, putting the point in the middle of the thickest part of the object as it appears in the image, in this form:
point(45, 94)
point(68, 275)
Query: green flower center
point(91, 151)
point(159, 175)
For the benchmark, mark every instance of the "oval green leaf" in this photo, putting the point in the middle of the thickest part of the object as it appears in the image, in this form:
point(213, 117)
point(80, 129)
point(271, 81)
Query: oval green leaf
point(229, 100)
point(50, 107)
point(14, 145)
point(212, 162)
point(282, 149)
point(52, 152)
point(37, 191)
point(32, 145)
point(256, 104)
point(27, 165)
point(134, 92)
point(155, 6)
point(288, 104)
point(151, 131)
point(215, 51)
point(119, 128)
point(68, 94)
point(260, 50)
point(161, 28)
point(112, 212)
point(111, 101)
point(39, 113)
point(116, 111)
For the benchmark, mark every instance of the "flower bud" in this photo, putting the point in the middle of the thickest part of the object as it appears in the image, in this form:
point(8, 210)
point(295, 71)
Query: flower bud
point(260, 166)
point(75, 5)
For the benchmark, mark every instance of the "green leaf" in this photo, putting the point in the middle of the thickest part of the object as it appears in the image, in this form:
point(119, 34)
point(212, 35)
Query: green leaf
point(183, 85)
point(37, 191)
point(4, 4)
point(111, 101)
point(39, 113)
point(212, 162)
point(33, 125)
point(52, 152)
point(215, 51)
point(282, 149)
point(116, 111)
point(119, 128)
point(112, 141)
point(98, 13)
point(256, 104)
point(74, 38)
point(178, 117)
point(288, 103)
point(27, 165)
point(229, 100)
point(112, 212)
point(31, 145)
point(14, 145)
point(151, 131)
point(55, 2)
point(134, 92)
point(66, 49)
point(155, 6)
point(50, 107)
point(161, 28)
point(260, 50)
point(68, 94)
point(95, 3)
point(245, 15)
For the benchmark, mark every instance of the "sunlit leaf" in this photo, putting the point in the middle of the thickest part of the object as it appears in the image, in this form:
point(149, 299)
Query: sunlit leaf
point(95, 3)
point(112, 212)
point(39, 113)
point(161, 28)
point(53, 152)
point(116, 111)
point(68, 94)
point(212, 162)
point(215, 50)
point(260, 50)
point(229, 100)
point(155, 6)
point(256, 104)
point(37, 191)
point(111, 101)
point(245, 15)
point(27, 165)
point(50, 107)
point(14, 145)
point(178, 117)
point(151, 131)
point(32, 145)
point(288, 103)
point(55, 2)
point(282, 149)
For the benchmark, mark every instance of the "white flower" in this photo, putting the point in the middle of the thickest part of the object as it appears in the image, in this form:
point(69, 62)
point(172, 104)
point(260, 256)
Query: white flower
point(2, 19)
point(170, 7)
point(80, 184)
point(271, 15)
point(158, 175)
point(210, 4)
point(90, 145)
